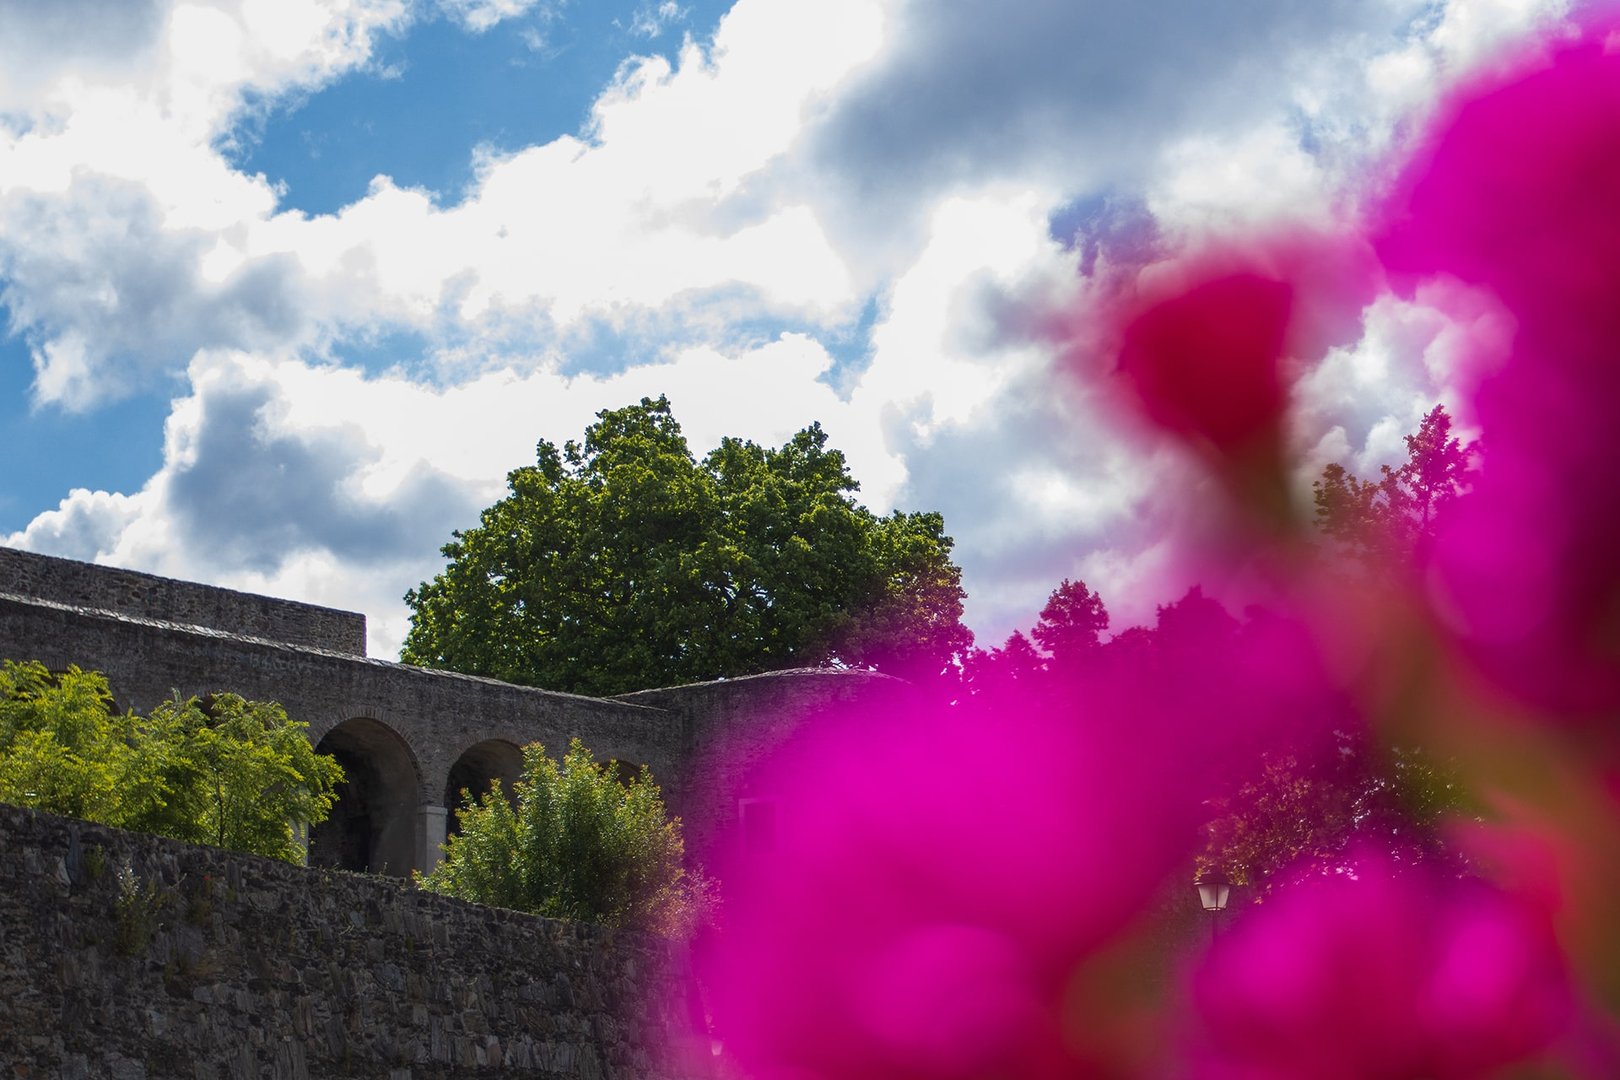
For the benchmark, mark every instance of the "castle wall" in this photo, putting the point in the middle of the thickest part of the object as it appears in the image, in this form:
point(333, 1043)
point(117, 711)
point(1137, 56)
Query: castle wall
point(403, 732)
point(86, 585)
point(199, 963)
point(438, 714)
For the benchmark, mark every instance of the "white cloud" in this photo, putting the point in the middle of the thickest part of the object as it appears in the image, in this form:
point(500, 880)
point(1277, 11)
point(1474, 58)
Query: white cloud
point(1356, 406)
point(130, 242)
point(112, 192)
point(476, 16)
point(652, 19)
point(325, 484)
point(815, 156)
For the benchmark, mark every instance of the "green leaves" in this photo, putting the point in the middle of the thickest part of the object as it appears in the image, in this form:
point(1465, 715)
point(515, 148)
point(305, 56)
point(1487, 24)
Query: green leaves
point(621, 562)
point(574, 842)
point(1382, 521)
point(228, 772)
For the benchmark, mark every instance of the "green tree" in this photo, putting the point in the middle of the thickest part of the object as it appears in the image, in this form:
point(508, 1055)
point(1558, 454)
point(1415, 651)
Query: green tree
point(574, 842)
point(1292, 813)
point(1385, 520)
point(230, 772)
point(1071, 623)
point(1290, 816)
point(621, 561)
point(241, 774)
point(63, 749)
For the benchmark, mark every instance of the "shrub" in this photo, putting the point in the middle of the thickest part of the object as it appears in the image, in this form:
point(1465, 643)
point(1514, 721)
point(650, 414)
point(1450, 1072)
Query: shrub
point(575, 842)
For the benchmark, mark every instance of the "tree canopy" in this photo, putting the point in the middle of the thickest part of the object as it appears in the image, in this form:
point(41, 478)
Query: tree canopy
point(621, 562)
point(575, 842)
point(223, 770)
point(1396, 515)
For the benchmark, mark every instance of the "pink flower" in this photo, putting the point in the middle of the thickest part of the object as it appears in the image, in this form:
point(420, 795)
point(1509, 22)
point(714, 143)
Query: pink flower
point(1380, 973)
point(1518, 190)
point(1205, 362)
point(936, 886)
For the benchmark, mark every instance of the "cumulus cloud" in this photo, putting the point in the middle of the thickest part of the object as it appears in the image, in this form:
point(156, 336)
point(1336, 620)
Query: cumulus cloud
point(815, 161)
point(115, 200)
point(43, 40)
point(133, 244)
point(1080, 94)
point(333, 486)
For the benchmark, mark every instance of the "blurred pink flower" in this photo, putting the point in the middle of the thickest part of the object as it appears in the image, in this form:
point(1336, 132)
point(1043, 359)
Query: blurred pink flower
point(936, 885)
point(1517, 189)
point(1206, 362)
point(1380, 973)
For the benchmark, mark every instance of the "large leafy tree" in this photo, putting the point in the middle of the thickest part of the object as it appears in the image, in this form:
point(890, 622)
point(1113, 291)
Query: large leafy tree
point(573, 841)
point(224, 771)
point(621, 561)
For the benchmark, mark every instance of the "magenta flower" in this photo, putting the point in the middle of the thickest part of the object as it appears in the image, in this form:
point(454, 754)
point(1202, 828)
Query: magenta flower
point(936, 886)
point(1378, 972)
point(1205, 363)
point(1518, 190)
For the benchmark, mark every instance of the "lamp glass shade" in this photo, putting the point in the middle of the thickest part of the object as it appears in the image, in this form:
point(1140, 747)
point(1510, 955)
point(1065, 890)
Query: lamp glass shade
point(1214, 894)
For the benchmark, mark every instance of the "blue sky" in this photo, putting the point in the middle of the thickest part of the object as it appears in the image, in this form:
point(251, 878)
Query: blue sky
point(289, 287)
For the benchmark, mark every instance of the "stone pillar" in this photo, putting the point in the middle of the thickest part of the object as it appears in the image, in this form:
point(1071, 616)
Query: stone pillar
point(434, 827)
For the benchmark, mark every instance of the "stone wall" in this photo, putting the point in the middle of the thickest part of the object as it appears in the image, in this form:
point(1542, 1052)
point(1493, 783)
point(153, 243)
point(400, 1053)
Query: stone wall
point(437, 713)
point(79, 584)
point(412, 738)
point(128, 957)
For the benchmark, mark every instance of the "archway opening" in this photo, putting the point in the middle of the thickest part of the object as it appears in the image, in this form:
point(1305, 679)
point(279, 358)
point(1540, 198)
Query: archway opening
point(372, 828)
point(625, 772)
point(475, 773)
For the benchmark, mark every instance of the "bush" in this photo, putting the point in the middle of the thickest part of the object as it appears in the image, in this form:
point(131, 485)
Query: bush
point(223, 771)
point(574, 842)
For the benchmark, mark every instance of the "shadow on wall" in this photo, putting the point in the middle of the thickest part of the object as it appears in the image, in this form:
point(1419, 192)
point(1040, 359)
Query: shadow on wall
point(373, 828)
point(475, 773)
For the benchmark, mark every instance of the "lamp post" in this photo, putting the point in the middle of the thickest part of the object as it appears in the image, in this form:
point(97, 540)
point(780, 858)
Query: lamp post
point(1213, 892)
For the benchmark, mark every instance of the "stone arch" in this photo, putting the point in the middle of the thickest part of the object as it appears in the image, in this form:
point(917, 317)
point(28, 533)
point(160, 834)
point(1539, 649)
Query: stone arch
point(475, 772)
point(624, 770)
point(373, 826)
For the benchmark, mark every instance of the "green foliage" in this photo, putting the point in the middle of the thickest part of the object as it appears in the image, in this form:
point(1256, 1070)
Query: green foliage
point(241, 772)
point(1382, 521)
point(577, 844)
point(1289, 817)
point(622, 562)
point(226, 771)
point(1071, 622)
point(136, 911)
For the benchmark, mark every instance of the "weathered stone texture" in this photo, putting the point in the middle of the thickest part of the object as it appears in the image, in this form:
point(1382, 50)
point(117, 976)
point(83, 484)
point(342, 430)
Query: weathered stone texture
point(412, 738)
point(79, 584)
point(438, 714)
point(124, 955)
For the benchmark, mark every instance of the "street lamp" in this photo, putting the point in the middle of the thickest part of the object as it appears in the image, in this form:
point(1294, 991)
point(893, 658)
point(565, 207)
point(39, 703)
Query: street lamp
point(1214, 890)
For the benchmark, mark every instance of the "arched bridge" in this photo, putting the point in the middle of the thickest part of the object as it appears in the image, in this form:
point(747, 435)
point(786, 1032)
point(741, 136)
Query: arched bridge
point(410, 739)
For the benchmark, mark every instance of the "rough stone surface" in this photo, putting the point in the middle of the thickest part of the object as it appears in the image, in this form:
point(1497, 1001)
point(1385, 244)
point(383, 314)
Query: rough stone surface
point(80, 584)
point(411, 738)
point(437, 714)
point(124, 955)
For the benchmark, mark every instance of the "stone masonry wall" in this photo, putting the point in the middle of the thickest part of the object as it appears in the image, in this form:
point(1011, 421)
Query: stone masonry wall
point(79, 584)
point(128, 957)
point(438, 713)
